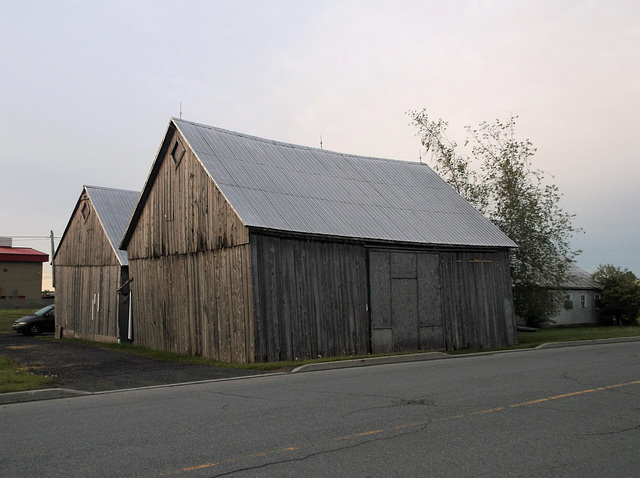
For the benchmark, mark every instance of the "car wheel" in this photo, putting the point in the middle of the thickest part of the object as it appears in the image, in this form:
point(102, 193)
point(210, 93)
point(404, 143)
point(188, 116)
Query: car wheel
point(34, 330)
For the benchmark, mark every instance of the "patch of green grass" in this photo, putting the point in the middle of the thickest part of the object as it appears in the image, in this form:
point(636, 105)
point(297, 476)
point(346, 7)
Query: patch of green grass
point(14, 379)
point(8, 316)
point(570, 334)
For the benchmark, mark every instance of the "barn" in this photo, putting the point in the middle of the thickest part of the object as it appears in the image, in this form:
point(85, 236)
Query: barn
point(244, 249)
point(89, 269)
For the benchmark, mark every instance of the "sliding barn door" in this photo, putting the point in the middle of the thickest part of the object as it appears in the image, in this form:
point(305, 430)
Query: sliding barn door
point(406, 301)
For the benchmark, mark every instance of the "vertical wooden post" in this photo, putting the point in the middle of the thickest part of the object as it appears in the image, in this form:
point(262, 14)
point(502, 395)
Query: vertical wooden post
point(53, 269)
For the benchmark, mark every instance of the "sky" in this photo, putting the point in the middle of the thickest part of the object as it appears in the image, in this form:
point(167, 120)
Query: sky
point(87, 90)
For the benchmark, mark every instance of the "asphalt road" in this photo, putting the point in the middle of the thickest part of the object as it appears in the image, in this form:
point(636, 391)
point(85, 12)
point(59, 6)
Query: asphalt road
point(571, 411)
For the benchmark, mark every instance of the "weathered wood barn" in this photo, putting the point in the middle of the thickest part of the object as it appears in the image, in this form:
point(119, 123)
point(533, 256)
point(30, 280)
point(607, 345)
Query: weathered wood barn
point(244, 249)
point(90, 270)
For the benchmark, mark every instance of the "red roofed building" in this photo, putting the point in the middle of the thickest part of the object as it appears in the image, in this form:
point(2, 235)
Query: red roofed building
point(20, 272)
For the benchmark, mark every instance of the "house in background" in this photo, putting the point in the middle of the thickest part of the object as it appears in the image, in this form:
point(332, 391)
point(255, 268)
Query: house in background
point(89, 269)
point(581, 296)
point(20, 274)
point(244, 249)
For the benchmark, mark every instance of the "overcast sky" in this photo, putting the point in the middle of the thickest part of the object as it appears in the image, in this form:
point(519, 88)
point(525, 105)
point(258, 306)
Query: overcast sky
point(87, 90)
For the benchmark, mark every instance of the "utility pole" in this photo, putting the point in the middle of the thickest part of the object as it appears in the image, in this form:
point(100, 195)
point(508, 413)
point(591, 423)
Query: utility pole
point(53, 270)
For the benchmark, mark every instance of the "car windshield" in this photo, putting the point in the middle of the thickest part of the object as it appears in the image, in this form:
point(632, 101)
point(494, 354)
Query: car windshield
point(42, 312)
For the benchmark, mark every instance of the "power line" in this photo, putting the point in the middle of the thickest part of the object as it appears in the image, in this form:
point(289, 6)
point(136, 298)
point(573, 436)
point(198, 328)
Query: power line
point(31, 238)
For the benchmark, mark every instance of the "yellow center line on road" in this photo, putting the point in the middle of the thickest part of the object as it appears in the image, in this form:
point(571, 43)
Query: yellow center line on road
point(411, 425)
point(573, 394)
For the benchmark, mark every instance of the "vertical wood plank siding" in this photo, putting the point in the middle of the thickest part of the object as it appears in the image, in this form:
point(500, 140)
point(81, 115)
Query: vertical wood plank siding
point(86, 294)
point(184, 213)
point(204, 285)
point(477, 300)
point(189, 261)
point(87, 301)
point(310, 298)
point(194, 304)
point(451, 300)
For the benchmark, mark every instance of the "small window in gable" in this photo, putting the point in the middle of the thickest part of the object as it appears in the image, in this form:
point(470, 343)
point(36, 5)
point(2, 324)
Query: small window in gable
point(86, 210)
point(177, 153)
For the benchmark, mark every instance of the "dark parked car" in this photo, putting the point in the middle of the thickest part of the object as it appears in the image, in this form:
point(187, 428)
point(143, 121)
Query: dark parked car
point(42, 321)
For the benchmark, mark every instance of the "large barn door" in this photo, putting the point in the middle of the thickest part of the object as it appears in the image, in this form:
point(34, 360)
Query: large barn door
point(406, 304)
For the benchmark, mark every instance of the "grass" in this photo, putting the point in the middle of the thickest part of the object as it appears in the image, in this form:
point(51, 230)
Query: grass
point(14, 379)
point(7, 316)
point(571, 334)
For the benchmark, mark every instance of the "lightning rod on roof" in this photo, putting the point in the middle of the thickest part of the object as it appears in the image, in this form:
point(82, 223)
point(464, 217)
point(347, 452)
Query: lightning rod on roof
point(181, 110)
point(320, 141)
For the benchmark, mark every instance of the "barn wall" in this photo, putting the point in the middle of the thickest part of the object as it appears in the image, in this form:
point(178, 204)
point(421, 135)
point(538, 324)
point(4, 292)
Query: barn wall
point(185, 212)
point(195, 304)
point(189, 261)
point(87, 275)
point(310, 298)
point(424, 300)
point(87, 301)
point(406, 301)
point(477, 300)
point(85, 241)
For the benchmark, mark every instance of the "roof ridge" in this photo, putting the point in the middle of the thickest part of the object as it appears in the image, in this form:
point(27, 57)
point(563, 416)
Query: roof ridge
point(293, 145)
point(110, 188)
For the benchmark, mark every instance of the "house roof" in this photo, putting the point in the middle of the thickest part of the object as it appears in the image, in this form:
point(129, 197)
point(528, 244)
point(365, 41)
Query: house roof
point(22, 254)
point(114, 208)
point(580, 279)
point(285, 187)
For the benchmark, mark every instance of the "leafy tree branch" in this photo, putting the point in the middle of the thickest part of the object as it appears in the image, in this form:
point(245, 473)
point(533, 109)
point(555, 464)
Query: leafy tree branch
point(499, 180)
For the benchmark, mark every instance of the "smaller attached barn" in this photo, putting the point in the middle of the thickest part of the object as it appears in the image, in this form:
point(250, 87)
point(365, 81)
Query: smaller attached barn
point(580, 302)
point(91, 273)
point(245, 249)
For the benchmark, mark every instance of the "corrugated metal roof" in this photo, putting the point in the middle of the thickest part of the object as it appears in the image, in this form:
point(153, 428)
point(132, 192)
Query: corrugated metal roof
point(292, 188)
point(114, 208)
point(22, 254)
point(580, 279)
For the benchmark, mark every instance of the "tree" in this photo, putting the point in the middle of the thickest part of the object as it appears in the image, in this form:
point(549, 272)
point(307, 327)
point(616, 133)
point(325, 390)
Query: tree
point(620, 302)
point(499, 180)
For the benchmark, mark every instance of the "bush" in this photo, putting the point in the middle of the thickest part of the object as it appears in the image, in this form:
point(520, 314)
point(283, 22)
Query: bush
point(620, 303)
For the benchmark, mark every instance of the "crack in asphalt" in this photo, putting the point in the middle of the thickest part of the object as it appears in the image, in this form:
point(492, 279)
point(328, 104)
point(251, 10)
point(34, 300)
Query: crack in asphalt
point(412, 428)
point(615, 432)
point(323, 452)
point(237, 395)
point(398, 402)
